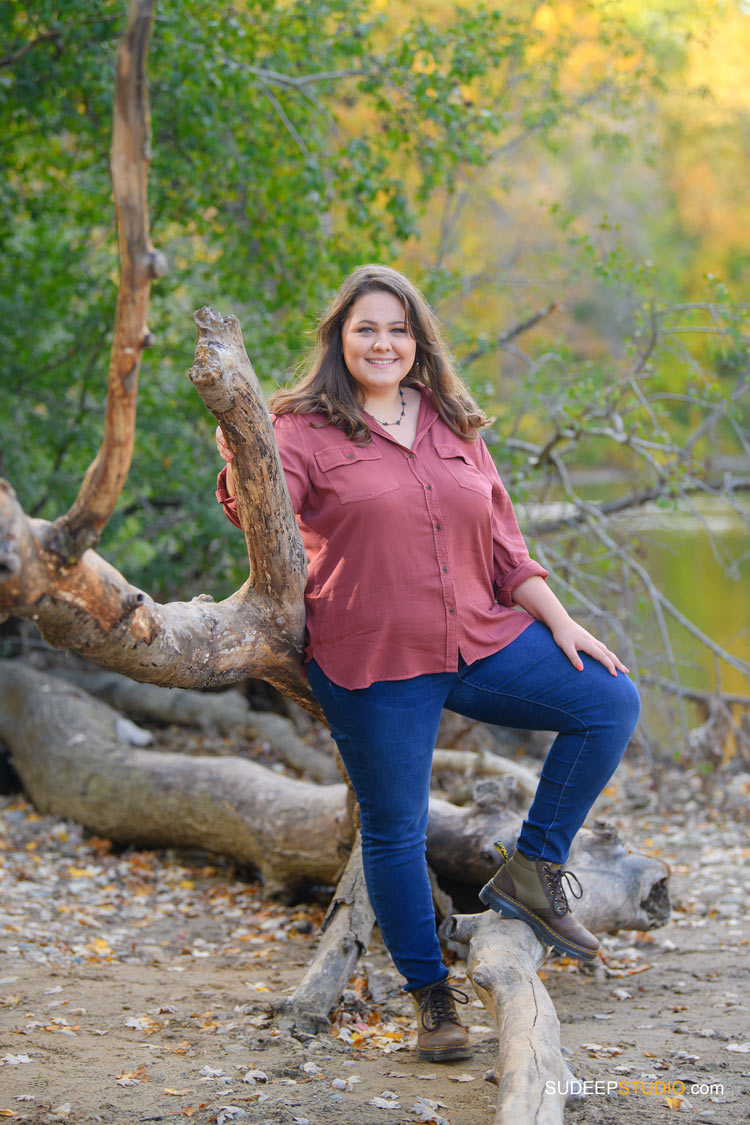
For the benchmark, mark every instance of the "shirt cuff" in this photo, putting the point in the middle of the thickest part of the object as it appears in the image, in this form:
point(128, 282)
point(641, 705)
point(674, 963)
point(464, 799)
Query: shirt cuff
point(228, 503)
point(513, 578)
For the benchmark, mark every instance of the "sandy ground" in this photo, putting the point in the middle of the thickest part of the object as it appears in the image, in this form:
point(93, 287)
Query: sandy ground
point(137, 987)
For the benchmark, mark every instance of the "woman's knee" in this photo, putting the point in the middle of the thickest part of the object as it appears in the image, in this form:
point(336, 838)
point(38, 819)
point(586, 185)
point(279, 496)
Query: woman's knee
point(620, 705)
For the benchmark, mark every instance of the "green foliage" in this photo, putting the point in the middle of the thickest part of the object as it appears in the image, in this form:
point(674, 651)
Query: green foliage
point(292, 141)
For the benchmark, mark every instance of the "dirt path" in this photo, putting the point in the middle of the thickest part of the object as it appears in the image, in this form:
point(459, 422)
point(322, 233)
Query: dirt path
point(136, 987)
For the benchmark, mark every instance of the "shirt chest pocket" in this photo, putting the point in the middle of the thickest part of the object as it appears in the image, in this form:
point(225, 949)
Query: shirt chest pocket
point(462, 468)
point(354, 472)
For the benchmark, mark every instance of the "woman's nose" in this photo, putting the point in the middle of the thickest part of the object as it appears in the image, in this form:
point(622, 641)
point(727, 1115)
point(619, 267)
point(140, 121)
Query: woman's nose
point(382, 343)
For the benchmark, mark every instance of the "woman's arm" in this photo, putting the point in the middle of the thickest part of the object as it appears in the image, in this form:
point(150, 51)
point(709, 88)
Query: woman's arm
point(535, 596)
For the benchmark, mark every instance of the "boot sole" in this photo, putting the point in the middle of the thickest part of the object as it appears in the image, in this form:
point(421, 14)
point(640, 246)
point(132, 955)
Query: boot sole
point(510, 908)
point(444, 1054)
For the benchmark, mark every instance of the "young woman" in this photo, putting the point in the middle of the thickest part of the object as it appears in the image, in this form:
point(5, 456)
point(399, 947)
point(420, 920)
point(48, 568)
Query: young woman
point(421, 595)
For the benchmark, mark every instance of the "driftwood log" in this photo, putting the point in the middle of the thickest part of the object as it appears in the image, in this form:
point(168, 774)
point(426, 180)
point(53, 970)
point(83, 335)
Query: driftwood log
point(227, 712)
point(502, 964)
point(65, 745)
point(66, 749)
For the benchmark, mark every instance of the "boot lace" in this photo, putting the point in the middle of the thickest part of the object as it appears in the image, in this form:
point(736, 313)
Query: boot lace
point(554, 879)
point(438, 1005)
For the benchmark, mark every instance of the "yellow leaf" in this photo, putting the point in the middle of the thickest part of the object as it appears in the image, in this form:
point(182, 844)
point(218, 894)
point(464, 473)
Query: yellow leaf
point(178, 1093)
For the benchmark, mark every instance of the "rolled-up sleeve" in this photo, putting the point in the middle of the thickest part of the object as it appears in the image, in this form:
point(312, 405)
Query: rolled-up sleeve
point(228, 503)
point(511, 560)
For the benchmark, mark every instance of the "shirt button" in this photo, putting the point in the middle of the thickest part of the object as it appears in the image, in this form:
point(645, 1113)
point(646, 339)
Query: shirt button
point(411, 456)
point(438, 527)
point(429, 488)
point(451, 610)
point(445, 570)
point(350, 456)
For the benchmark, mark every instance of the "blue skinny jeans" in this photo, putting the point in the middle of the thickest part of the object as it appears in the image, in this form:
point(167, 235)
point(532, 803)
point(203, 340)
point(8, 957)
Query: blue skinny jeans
point(386, 734)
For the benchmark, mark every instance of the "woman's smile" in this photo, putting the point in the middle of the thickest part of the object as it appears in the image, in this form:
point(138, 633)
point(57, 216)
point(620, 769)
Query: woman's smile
point(379, 349)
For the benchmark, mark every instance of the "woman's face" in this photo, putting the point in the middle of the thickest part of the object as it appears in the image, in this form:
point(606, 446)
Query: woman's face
point(378, 348)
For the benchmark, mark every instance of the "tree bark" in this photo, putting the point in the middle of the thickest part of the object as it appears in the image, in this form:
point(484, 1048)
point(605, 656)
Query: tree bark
point(91, 609)
point(78, 600)
point(347, 928)
point(82, 525)
point(226, 711)
point(503, 961)
point(65, 749)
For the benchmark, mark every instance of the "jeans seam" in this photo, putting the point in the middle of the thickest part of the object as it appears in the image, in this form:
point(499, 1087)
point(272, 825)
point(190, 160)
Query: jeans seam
point(521, 699)
point(563, 790)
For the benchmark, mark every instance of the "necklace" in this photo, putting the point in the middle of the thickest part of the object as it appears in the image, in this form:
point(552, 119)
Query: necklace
point(401, 415)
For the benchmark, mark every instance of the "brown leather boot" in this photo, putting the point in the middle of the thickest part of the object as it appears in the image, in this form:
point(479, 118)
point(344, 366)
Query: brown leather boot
point(440, 1034)
point(532, 890)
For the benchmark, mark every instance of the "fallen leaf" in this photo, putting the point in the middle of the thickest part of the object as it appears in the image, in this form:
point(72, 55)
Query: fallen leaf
point(229, 1113)
point(426, 1110)
point(679, 1103)
point(346, 1083)
point(257, 986)
point(253, 1076)
point(311, 1068)
point(178, 1093)
point(387, 1100)
point(462, 1078)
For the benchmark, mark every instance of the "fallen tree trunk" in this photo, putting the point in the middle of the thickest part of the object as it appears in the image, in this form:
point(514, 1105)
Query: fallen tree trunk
point(71, 763)
point(227, 712)
point(347, 928)
point(65, 749)
point(503, 957)
point(503, 961)
point(64, 746)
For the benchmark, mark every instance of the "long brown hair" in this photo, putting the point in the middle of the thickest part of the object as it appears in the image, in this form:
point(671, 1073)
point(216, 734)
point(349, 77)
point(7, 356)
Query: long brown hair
point(326, 387)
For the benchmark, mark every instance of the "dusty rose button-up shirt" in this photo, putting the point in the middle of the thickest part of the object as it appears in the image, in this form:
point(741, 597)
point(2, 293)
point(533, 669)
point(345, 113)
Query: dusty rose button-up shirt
point(413, 553)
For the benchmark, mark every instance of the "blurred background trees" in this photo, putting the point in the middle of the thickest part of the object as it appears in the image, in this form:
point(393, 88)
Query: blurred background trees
point(567, 182)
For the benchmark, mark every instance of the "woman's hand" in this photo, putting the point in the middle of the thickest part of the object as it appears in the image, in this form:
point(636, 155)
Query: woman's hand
point(572, 638)
point(224, 451)
point(535, 596)
point(226, 454)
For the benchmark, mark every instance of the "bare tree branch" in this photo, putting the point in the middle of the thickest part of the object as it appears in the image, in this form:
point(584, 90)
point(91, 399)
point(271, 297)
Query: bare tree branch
point(82, 525)
point(510, 333)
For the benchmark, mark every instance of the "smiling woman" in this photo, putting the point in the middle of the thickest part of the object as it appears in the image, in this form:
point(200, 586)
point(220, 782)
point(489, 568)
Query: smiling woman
point(420, 596)
point(379, 352)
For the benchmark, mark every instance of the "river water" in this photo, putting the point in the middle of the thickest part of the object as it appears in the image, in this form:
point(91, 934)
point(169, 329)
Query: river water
point(700, 560)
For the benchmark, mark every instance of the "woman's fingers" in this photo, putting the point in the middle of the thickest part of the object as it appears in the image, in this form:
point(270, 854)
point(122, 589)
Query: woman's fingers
point(224, 451)
point(577, 640)
point(604, 655)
